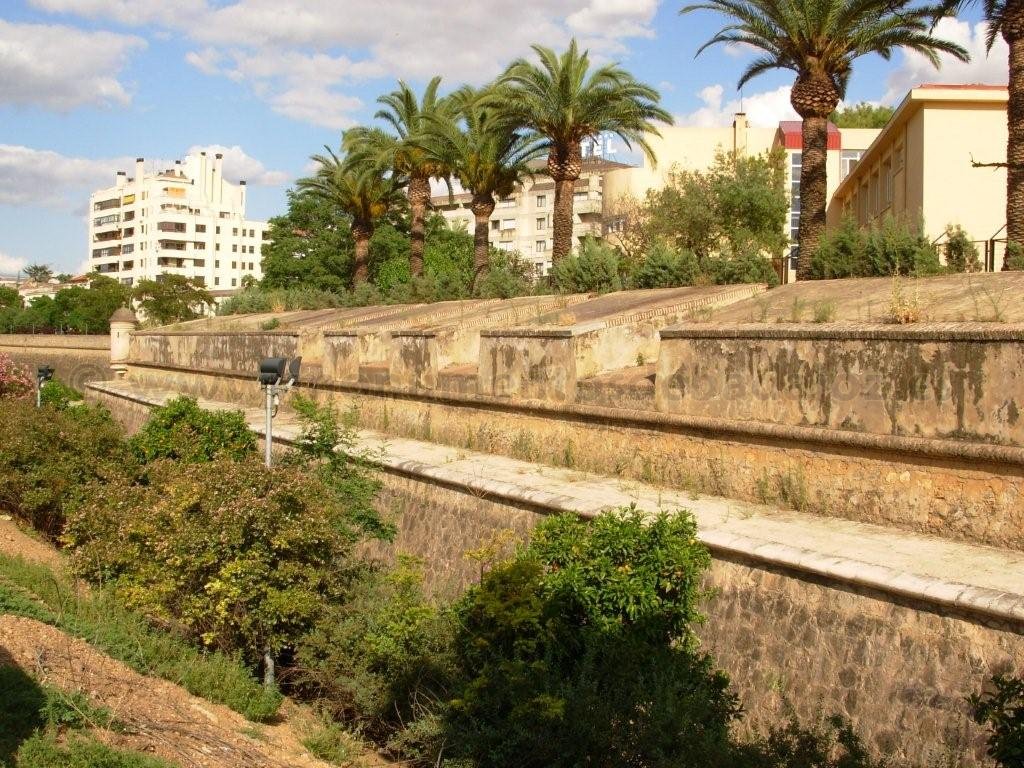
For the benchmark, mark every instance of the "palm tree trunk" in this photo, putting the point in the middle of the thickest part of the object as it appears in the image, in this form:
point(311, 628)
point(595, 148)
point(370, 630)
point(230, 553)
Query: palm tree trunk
point(361, 234)
point(419, 198)
point(1015, 132)
point(565, 164)
point(482, 207)
point(813, 191)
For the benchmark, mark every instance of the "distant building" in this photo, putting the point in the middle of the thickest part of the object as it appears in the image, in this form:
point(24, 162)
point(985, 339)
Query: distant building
point(522, 221)
point(184, 220)
point(30, 290)
point(920, 167)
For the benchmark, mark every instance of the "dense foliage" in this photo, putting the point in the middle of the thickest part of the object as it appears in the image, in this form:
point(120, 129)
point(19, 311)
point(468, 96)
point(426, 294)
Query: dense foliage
point(70, 310)
point(1001, 708)
point(861, 115)
point(15, 380)
point(594, 268)
point(49, 455)
point(892, 246)
point(171, 299)
point(182, 430)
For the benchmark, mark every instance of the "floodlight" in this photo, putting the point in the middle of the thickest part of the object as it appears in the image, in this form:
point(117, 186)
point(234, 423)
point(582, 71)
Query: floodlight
point(45, 373)
point(272, 371)
point(293, 370)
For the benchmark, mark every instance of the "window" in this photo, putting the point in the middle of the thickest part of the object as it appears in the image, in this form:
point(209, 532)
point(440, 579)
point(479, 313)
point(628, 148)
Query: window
point(848, 161)
point(200, 227)
point(199, 245)
point(216, 246)
point(250, 266)
point(234, 231)
point(217, 231)
point(542, 201)
point(495, 225)
point(234, 282)
point(580, 195)
point(216, 281)
point(508, 223)
point(540, 246)
point(234, 248)
point(507, 202)
point(886, 184)
point(252, 233)
point(234, 265)
point(252, 249)
point(541, 223)
point(216, 264)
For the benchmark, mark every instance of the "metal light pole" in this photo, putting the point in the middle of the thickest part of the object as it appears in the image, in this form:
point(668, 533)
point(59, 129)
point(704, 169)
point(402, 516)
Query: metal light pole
point(272, 372)
point(43, 374)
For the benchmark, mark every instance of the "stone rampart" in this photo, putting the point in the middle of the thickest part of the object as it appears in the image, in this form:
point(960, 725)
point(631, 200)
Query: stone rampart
point(961, 381)
point(75, 359)
point(227, 351)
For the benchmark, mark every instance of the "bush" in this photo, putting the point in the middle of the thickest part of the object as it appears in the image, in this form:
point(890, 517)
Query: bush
point(829, 743)
point(580, 651)
point(182, 430)
point(1001, 708)
point(383, 662)
point(665, 267)
point(228, 553)
point(745, 267)
point(48, 455)
point(59, 395)
point(961, 252)
point(892, 246)
point(46, 750)
point(1014, 259)
point(508, 276)
point(15, 380)
point(595, 268)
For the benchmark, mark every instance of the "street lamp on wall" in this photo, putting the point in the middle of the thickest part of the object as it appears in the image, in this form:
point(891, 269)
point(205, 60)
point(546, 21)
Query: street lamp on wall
point(276, 375)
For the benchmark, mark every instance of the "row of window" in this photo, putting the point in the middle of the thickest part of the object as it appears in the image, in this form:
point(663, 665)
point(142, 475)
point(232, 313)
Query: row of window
point(540, 224)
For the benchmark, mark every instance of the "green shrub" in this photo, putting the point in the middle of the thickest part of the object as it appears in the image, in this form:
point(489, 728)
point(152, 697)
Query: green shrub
point(46, 750)
point(580, 651)
point(59, 395)
point(508, 276)
point(1001, 708)
point(665, 267)
point(47, 456)
point(227, 553)
point(594, 268)
point(382, 660)
point(34, 591)
point(330, 742)
point(828, 743)
point(1014, 259)
point(745, 267)
point(182, 430)
point(961, 252)
point(891, 246)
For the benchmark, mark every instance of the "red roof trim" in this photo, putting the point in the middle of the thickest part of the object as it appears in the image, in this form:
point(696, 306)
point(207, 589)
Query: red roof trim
point(792, 135)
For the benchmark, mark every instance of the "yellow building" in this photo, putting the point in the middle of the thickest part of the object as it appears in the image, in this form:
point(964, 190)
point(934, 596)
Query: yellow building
point(920, 167)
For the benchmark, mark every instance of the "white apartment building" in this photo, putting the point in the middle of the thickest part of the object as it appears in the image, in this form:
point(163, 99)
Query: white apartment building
point(184, 220)
point(522, 221)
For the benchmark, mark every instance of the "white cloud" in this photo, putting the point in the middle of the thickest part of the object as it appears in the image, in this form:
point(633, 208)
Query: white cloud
point(240, 166)
point(765, 109)
point(984, 67)
point(9, 265)
point(41, 177)
point(60, 68)
point(300, 55)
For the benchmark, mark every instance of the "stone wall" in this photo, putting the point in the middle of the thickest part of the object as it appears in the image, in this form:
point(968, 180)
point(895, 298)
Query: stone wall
point(958, 381)
point(75, 359)
point(236, 351)
point(951, 489)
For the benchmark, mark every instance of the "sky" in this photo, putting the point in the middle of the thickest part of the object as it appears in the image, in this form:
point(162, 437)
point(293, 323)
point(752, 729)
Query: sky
point(88, 85)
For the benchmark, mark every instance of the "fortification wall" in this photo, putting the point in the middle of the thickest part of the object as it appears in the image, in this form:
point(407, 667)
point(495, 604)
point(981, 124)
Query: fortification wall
point(75, 359)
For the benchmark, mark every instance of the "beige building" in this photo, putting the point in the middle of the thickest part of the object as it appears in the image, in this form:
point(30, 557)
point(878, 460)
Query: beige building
point(920, 167)
point(184, 220)
point(522, 221)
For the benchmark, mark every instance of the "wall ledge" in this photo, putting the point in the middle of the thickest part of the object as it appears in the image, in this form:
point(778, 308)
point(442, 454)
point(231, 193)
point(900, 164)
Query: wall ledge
point(933, 332)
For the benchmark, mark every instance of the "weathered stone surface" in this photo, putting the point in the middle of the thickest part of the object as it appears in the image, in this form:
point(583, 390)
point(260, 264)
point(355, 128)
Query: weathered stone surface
point(75, 359)
point(957, 381)
point(237, 351)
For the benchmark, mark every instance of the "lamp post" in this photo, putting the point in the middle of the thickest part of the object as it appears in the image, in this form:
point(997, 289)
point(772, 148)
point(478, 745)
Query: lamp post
point(274, 371)
point(43, 374)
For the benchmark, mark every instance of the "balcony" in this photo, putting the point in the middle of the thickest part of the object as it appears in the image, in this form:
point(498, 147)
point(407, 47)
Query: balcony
point(105, 237)
point(587, 205)
point(507, 235)
point(592, 228)
point(102, 253)
point(105, 205)
point(171, 245)
point(170, 263)
point(106, 269)
point(110, 220)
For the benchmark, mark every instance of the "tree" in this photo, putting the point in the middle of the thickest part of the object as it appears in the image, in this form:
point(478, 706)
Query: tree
point(39, 273)
point(819, 41)
point(403, 154)
point(310, 246)
point(488, 156)
point(564, 101)
point(363, 191)
point(171, 299)
point(862, 115)
point(89, 309)
point(9, 298)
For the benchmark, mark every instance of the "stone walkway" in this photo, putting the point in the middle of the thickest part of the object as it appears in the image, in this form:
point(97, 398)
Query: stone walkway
point(949, 574)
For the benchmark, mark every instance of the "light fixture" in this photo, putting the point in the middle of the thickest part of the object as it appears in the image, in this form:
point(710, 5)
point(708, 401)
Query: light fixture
point(276, 375)
point(43, 374)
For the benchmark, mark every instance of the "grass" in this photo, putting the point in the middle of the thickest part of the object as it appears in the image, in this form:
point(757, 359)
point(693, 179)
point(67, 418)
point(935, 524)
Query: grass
point(34, 591)
point(330, 742)
point(37, 723)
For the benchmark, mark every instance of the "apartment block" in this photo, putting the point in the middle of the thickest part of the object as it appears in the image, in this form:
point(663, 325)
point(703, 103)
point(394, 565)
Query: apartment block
point(522, 222)
point(184, 220)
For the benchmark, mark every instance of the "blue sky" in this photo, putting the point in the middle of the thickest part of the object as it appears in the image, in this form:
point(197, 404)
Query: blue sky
point(88, 85)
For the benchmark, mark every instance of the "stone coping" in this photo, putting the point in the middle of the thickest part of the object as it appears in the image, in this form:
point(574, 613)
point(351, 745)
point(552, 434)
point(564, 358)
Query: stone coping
point(156, 332)
point(979, 332)
point(709, 425)
point(988, 583)
point(55, 340)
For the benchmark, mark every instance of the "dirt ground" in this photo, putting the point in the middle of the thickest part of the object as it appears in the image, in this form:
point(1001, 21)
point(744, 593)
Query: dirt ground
point(160, 718)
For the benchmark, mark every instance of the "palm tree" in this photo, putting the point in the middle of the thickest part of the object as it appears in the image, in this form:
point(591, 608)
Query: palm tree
point(489, 158)
point(819, 40)
point(402, 153)
point(361, 190)
point(565, 102)
point(38, 273)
